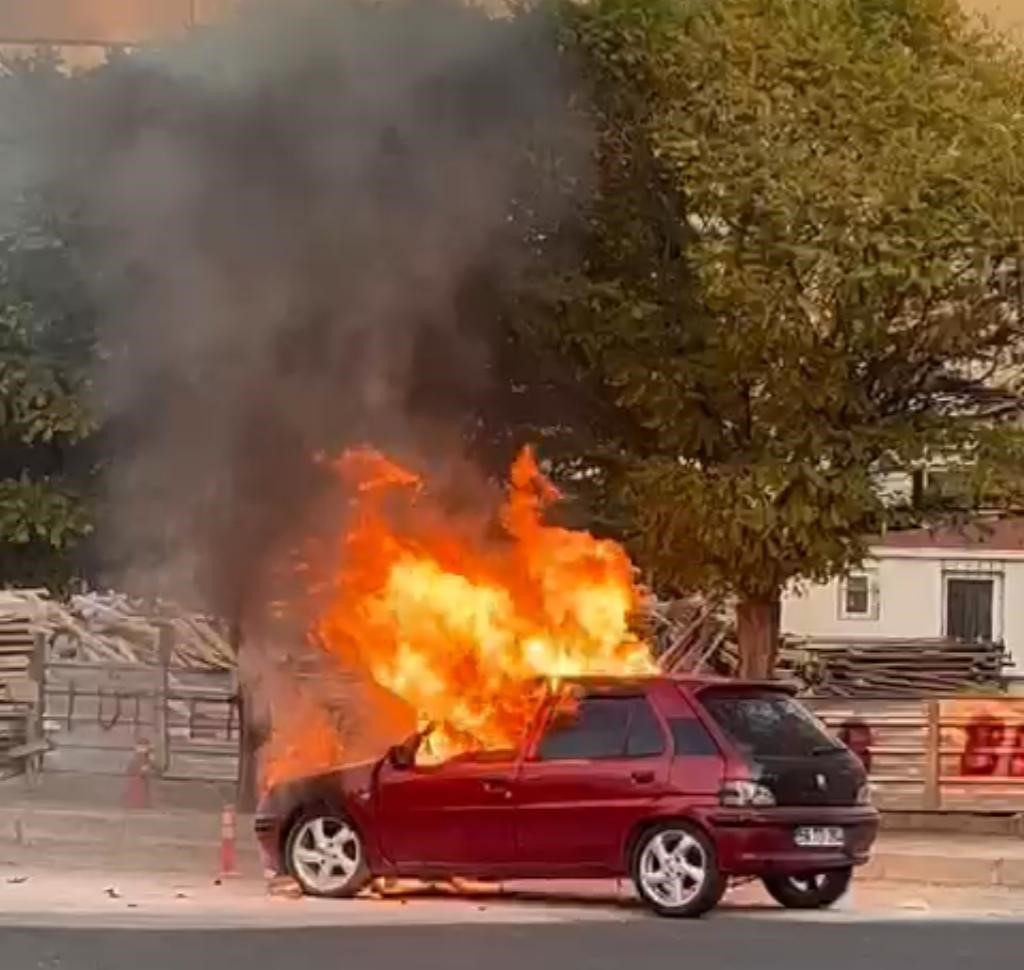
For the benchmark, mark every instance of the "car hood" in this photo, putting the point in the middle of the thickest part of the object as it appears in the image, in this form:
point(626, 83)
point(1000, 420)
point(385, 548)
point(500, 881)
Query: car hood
point(350, 780)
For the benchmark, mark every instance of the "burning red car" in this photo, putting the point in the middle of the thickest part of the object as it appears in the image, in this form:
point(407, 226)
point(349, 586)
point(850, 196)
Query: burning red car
point(680, 784)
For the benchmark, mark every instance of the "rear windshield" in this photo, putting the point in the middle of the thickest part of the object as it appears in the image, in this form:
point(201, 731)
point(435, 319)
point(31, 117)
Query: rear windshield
point(767, 725)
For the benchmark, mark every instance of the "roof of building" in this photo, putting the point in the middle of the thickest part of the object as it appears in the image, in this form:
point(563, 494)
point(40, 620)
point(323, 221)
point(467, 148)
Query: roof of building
point(996, 535)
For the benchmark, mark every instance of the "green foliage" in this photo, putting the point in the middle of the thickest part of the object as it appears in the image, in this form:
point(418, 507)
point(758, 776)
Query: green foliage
point(40, 400)
point(42, 419)
point(40, 512)
point(45, 354)
point(802, 270)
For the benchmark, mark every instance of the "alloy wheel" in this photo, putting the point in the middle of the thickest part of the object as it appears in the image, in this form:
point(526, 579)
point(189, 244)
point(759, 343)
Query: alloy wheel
point(673, 868)
point(326, 854)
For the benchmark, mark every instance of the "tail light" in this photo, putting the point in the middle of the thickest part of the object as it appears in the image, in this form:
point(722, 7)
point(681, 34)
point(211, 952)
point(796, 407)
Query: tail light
point(745, 794)
point(864, 794)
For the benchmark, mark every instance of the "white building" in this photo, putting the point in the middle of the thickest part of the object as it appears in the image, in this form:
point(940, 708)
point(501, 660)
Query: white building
point(964, 584)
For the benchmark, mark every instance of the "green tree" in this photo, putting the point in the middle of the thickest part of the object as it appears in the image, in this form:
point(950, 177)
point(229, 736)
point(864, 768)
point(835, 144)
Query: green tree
point(43, 512)
point(802, 269)
point(46, 346)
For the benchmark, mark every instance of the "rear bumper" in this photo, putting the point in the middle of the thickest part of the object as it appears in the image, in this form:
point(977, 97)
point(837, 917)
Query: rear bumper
point(759, 842)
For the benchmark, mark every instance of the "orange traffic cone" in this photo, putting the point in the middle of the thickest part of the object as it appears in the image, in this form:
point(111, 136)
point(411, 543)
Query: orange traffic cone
point(140, 768)
point(228, 832)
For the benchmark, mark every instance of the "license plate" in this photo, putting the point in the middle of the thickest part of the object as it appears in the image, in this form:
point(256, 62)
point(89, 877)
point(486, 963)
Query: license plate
point(819, 837)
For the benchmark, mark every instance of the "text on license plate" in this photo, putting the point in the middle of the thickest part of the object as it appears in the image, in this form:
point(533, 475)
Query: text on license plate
point(819, 837)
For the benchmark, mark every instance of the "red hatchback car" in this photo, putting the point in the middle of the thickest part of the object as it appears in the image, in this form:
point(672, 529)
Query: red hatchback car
point(679, 783)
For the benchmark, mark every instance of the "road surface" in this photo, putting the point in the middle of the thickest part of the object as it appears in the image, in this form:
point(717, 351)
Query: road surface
point(723, 943)
point(85, 921)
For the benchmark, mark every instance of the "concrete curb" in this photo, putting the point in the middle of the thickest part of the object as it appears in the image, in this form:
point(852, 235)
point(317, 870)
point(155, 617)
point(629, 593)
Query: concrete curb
point(28, 826)
point(945, 870)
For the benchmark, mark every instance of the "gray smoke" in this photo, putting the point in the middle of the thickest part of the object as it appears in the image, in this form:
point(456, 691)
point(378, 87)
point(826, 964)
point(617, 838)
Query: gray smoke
point(294, 225)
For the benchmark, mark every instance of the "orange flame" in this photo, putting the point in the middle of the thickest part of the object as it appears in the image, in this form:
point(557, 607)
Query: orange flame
point(461, 628)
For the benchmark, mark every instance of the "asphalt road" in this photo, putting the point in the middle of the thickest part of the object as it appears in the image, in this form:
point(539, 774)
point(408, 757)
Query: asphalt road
point(724, 943)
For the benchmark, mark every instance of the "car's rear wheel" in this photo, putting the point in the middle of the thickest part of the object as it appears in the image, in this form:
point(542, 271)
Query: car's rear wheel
point(326, 855)
point(810, 890)
point(675, 870)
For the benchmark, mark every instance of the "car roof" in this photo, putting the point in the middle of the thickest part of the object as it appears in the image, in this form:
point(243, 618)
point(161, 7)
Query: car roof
point(692, 682)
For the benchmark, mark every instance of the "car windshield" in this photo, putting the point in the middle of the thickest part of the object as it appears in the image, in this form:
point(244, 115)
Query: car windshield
point(768, 724)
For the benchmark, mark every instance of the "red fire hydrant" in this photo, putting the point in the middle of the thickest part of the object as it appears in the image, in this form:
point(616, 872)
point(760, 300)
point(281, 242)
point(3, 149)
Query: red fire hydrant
point(140, 770)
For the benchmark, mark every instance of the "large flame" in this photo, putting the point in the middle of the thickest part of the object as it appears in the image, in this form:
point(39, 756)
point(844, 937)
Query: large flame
point(460, 627)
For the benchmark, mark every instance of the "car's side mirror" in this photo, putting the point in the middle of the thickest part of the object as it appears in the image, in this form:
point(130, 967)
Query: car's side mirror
point(400, 757)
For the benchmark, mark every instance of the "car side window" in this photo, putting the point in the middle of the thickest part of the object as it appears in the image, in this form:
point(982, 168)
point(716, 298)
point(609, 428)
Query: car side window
point(691, 738)
point(604, 727)
point(646, 739)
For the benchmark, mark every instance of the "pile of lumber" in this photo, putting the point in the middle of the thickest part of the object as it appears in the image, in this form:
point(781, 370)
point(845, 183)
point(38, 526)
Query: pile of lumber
point(687, 635)
point(902, 668)
point(18, 688)
point(17, 647)
point(699, 636)
point(111, 627)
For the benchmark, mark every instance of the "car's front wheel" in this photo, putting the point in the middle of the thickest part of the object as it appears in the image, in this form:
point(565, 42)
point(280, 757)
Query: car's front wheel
point(326, 855)
point(675, 870)
point(812, 890)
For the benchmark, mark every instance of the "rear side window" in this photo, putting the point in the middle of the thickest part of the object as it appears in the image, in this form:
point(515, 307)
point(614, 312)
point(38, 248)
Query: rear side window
point(691, 738)
point(767, 725)
point(604, 727)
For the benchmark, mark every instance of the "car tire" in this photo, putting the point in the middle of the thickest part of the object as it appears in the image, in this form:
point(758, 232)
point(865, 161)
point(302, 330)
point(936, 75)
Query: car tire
point(813, 890)
point(326, 855)
point(675, 871)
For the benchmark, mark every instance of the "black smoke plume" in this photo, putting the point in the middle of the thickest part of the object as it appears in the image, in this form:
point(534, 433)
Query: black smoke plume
point(294, 225)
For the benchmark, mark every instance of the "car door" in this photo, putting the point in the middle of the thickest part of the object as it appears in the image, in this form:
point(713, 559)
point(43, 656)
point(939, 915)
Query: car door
point(453, 816)
point(587, 782)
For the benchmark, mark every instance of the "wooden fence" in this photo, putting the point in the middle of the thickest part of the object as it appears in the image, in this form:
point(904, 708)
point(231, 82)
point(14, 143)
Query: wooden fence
point(951, 754)
point(95, 713)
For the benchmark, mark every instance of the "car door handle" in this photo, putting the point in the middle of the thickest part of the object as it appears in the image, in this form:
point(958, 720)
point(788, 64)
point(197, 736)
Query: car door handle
point(642, 777)
point(495, 786)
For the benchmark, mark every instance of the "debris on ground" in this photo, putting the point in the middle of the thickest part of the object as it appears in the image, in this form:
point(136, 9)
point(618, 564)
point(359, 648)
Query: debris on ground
point(112, 892)
point(284, 887)
point(17, 880)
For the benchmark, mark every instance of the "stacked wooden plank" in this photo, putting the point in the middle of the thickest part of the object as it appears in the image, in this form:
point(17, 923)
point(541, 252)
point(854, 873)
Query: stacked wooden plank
point(17, 648)
point(111, 627)
point(686, 634)
point(696, 636)
point(903, 668)
point(18, 687)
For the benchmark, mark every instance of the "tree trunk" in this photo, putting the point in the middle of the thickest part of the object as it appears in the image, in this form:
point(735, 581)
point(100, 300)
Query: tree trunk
point(757, 620)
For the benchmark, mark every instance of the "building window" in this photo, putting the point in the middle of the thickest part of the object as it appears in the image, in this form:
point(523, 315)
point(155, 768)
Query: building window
point(858, 597)
point(970, 608)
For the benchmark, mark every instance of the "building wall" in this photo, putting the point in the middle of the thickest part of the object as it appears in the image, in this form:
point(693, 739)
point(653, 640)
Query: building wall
point(909, 604)
point(910, 590)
